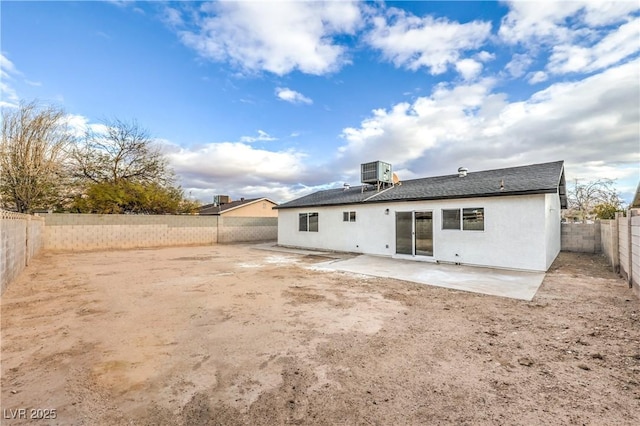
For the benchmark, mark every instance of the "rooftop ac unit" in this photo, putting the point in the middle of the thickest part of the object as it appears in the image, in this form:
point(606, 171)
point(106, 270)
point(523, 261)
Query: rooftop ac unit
point(219, 200)
point(376, 172)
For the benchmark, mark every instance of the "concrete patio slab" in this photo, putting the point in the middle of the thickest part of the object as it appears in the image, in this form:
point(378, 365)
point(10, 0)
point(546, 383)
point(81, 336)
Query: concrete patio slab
point(520, 285)
point(495, 282)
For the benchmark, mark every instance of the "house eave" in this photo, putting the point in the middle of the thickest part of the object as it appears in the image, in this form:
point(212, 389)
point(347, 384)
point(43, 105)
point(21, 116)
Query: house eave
point(433, 198)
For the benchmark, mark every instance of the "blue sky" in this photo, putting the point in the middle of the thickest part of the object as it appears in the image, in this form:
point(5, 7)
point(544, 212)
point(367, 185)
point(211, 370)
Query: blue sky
point(279, 99)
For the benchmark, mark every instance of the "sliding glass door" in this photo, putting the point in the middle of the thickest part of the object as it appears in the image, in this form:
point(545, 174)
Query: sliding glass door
point(424, 233)
point(414, 233)
point(404, 233)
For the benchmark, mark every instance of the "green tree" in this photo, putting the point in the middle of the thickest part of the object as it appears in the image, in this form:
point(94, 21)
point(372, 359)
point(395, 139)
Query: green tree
point(584, 197)
point(125, 172)
point(606, 210)
point(32, 156)
point(136, 198)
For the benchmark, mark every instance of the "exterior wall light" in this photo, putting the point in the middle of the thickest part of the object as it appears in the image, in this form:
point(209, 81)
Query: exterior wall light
point(386, 211)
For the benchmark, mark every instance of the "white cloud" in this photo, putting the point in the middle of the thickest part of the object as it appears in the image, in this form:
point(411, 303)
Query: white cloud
point(172, 17)
point(78, 125)
point(538, 22)
point(407, 131)
point(616, 46)
point(225, 160)
point(468, 68)
point(518, 65)
point(279, 37)
point(413, 42)
point(262, 137)
point(551, 22)
point(485, 56)
point(10, 97)
point(538, 77)
point(239, 169)
point(292, 96)
point(584, 36)
point(127, 3)
point(7, 69)
point(594, 119)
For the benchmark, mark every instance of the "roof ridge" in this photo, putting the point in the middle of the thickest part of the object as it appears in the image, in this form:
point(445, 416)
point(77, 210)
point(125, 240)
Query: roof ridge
point(485, 171)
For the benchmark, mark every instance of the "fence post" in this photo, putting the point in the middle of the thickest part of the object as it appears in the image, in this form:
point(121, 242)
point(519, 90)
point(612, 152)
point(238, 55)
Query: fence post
point(615, 244)
point(630, 249)
point(26, 243)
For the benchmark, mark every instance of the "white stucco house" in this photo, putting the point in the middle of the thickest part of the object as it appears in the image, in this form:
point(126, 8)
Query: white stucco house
point(505, 218)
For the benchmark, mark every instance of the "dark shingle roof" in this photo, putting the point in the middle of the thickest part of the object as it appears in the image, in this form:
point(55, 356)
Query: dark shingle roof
point(532, 179)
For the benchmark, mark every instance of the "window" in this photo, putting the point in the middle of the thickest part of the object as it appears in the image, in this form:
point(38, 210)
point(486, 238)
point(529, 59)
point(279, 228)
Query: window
point(348, 216)
point(313, 222)
point(473, 219)
point(451, 219)
point(308, 222)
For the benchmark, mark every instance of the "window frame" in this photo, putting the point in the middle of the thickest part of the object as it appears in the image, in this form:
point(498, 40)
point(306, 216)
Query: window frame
point(303, 223)
point(465, 224)
point(309, 221)
point(312, 223)
point(349, 216)
point(479, 217)
point(445, 221)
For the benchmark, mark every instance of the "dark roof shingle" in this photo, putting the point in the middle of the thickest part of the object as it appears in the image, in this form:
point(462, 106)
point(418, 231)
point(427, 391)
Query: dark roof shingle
point(531, 179)
point(215, 209)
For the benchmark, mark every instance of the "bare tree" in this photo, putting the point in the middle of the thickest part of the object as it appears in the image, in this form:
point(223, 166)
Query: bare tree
point(32, 154)
point(584, 197)
point(120, 151)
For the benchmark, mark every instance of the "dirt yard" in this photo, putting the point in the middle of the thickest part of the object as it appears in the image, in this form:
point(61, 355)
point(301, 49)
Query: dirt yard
point(232, 335)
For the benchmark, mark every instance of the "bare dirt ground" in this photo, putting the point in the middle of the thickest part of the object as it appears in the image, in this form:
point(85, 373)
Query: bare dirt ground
point(231, 335)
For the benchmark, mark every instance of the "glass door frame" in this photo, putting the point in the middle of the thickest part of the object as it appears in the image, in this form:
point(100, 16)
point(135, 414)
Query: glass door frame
point(414, 233)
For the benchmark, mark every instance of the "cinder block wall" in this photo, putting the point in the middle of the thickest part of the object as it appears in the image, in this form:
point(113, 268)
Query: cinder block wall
point(243, 229)
point(79, 232)
point(20, 241)
point(610, 242)
point(581, 237)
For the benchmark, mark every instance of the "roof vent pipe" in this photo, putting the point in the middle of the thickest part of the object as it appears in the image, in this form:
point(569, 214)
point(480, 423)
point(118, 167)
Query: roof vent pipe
point(462, 171)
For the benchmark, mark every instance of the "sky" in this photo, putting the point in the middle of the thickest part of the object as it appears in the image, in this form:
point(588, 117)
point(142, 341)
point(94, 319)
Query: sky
point(279, 99)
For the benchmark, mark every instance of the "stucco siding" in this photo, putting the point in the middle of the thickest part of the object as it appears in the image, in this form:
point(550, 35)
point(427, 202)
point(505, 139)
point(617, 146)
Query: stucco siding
point(514, 235)
point(258, 209)
point(553, 228)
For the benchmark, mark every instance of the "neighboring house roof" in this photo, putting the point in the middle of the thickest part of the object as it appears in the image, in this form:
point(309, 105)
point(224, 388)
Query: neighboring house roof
point(635, 203)
point(214, 209)
point(545, 178)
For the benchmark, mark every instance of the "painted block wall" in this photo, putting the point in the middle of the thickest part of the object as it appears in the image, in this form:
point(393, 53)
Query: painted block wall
point(635, 252)
point(245, 229)
point(581, 237)
point(609, 241)
point(514, 235)
point(20, 241)
point(629, 248)
point(79, 232)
